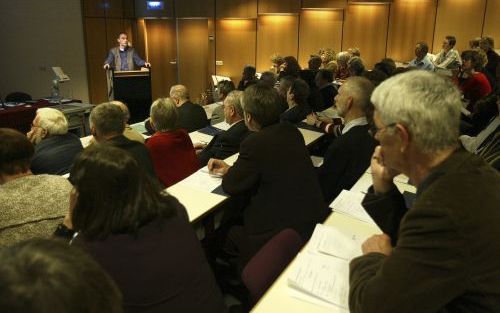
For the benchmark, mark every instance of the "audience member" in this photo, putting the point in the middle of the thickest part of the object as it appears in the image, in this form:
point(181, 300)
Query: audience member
point(375, 76)
point(129, 132)
point(291, 67)
point(473, 84)
point(314, 63)
point(223, 88)
point(191, 116)
point(107, 126)
point(31, 205)
point(355, 66)
point(139, 235)
point(448, 58)
point(227, 143)
point(355, 52)
point(342, 60)
point(268, 78)
point(328, 57)
point(422, 61)
point(44, 276)
point(484, 111)
point(283, 86)
point(280, 183)
point(323, 97)
point(474, 43)
point(386, 65)
point(296, 97)
point(349, 155)
point(171, 149)
point(55, 147)
point(487, 44)
point(447, 239)
point(277, 63)
point(248, 77)
point(309, 74)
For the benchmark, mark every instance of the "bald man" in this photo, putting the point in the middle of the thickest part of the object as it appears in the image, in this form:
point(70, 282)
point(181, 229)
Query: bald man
point(191, 116)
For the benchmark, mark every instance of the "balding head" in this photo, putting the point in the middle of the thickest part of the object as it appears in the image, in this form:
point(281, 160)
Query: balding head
point(179, 93)
point(124, 108)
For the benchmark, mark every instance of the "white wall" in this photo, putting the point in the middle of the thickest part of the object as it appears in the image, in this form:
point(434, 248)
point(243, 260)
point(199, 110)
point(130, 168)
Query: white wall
point(36, 35)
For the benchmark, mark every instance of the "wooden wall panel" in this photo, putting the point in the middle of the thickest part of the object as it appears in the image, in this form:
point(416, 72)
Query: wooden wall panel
point(235, 46)
point(461, 18)
point(161, 50)
point(492, 21)
point(128, 9)
point(276, 34)
point(279, 6)
point(114, 26)
point(193, 55)
point(410, 22)
point(236, 8)
point(95, 39)
point(93, 8)
point(194, 8)
point(114, 8)
point(366, 28)
point(319, 29)
point(316, 4)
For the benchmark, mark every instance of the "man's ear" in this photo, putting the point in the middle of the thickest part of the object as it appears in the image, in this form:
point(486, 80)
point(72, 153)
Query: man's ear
point(404, 137)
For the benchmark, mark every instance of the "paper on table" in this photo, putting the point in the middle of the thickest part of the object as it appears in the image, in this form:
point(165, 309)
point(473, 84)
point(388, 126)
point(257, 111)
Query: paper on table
point(202, 180)
point(344, 244)
point(349, 203)
point(222, 125)
point(321, 276)
point(316, 160)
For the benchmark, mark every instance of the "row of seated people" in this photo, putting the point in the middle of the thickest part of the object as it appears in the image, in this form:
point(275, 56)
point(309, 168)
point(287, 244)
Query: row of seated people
point(141, 236)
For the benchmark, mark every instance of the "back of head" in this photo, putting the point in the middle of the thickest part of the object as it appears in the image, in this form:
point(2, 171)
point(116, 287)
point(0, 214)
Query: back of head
point(249, 72)
point(124, 108)
point(342, 58)
point(360, 89)
point(300, 91)
point(326, 75)
point(16, 152)
point(285, 83)
point(163, 114)
point(179, 92)
point(53, 121)
point(355, 66)
point(45, 276)
point(314, 62)
point(387, 65)
point(487, 43)
point(375, 76)
point(262, 103)
point(268, 78)
point(107, 119)
point(224, 87)
point(427, 104)
point(292, 65)
point(354, 51)
point(115, 195)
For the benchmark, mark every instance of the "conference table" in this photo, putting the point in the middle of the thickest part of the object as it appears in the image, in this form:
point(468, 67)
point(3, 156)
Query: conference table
point(280, 297)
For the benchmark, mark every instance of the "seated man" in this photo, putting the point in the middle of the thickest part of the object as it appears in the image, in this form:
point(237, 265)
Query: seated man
point(55, 148)
point(248, 77)
point(324, 96)
point(191, 116)
point(228, 142)
point(107, 126)
point(223, 89)
point(442, 254)
point(129, 132)
point(275, 173)
point(296, 97)
point(51, 276)
point(448, 58)
point(421, 60)
point(348, 156)
point(30, 205)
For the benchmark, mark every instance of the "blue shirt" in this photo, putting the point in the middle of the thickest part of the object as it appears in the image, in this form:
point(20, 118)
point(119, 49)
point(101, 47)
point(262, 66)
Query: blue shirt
point(424, 64)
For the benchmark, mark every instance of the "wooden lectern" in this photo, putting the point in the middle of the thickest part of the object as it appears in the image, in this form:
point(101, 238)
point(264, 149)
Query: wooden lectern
point(134, 89)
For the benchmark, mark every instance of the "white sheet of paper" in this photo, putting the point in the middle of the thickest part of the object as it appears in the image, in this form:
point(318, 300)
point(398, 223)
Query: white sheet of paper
point(202, 180)
point(338, 243)
point(349, 203)
point(324, 277)
point(222, 126)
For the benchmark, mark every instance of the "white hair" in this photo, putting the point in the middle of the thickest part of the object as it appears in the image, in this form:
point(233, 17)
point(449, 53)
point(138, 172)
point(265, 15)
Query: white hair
point(179, 92)
point(427, 104)
point(53, 121)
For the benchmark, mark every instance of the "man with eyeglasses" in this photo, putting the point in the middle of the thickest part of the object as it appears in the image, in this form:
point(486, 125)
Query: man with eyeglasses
point(442, 254)
point(348, 156)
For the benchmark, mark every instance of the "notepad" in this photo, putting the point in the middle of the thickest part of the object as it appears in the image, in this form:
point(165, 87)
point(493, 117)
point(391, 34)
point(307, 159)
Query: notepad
point(343, 244)
point(202, 180)
point(349, 203)
point(321, 276)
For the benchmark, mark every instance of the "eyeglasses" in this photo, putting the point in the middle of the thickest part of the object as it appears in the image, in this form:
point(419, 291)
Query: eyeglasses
point(374, 129)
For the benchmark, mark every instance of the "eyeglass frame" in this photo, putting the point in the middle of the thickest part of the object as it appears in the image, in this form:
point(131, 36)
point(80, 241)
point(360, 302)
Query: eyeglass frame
point(374, 129)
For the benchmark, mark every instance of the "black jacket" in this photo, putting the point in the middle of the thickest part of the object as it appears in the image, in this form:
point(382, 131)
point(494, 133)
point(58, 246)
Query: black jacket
point(191, 117)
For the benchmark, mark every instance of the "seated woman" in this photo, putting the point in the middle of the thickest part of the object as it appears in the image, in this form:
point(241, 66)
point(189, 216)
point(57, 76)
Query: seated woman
point(139, 235)
point(171, 149)
point(473, 84)
point(298, 109)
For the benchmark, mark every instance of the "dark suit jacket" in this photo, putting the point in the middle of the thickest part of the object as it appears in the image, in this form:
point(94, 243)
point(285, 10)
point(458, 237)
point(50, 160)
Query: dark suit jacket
point(346, 159)
point(191, 117)
point(224, 144)
point(296, 114)
point(447, 250)
point(161, 269)
point(55, 154)
point(138, 151)
point(274, 169)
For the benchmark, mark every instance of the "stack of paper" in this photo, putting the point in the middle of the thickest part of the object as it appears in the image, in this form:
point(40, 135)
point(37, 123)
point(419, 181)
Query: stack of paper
point(202, 180)
point(331, 241)
point(349, 203)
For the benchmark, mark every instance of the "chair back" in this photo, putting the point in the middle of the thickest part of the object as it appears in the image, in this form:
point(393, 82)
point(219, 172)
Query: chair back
point(264, 267)
point(17, 97)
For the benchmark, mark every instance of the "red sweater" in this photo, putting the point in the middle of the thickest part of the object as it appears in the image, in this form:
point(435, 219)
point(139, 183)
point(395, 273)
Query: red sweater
point(173, 156)
point(475, 87)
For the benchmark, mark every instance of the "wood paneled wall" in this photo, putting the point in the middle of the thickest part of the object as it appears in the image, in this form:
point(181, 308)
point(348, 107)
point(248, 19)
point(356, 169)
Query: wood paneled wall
point(276, 34)
point(240, 32)
point(319, 29)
